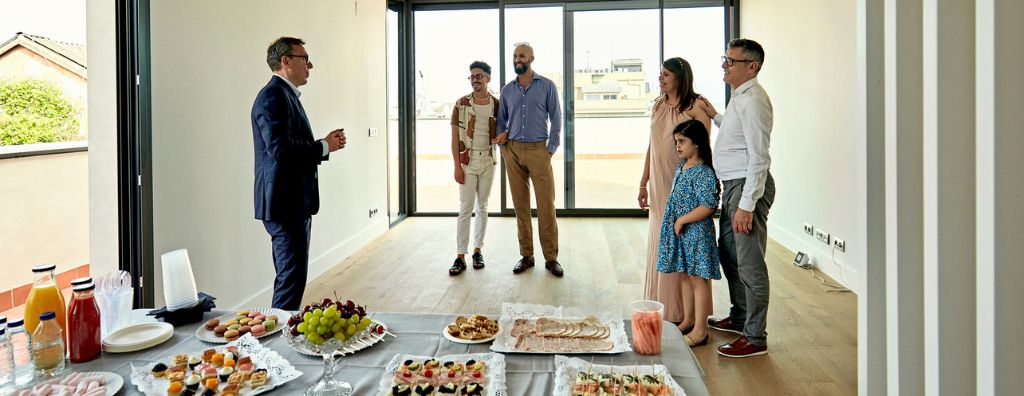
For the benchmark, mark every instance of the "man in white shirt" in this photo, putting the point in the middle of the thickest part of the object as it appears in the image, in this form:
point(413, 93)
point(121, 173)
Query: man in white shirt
point(748, 190)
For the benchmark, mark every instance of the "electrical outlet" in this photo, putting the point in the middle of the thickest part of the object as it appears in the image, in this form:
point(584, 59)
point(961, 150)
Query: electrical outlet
point(373, 212)
point(839, 244)
point(822, 236)
point(373, 132)
point(808, 229)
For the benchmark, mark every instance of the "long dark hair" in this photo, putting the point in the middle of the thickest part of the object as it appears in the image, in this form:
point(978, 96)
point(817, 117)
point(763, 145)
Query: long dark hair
point(698, 134)
point(681, 69)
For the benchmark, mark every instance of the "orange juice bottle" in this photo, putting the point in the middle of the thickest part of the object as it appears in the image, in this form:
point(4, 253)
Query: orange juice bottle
point(45, 297)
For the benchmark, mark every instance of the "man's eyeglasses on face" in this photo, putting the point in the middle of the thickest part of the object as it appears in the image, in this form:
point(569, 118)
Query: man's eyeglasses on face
point(730, 61)
point(304, 57)
point(476, 77)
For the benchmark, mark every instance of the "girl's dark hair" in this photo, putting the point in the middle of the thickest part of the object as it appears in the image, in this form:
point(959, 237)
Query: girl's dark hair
point(698, 134)
point(681, 69)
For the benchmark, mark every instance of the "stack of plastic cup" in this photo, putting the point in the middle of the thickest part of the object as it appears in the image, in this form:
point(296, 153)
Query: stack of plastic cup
point(179, 282)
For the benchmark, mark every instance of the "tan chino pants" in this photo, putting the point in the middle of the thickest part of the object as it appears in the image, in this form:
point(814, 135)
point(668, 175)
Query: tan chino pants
point(531, 162)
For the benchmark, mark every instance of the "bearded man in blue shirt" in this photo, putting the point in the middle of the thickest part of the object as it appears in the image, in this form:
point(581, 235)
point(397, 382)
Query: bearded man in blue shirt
point(530, 120)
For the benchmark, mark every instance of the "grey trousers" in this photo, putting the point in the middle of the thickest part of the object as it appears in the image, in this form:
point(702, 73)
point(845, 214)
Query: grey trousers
point(742, 257)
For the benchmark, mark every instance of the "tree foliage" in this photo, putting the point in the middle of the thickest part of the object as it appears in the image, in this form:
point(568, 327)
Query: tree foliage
point(35, 111)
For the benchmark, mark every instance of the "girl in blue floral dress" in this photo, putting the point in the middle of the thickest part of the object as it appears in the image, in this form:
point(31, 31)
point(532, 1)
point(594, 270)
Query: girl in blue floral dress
point(687, 242)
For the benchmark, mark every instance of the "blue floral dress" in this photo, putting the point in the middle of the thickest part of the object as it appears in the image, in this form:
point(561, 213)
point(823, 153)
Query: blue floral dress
point(695, 250)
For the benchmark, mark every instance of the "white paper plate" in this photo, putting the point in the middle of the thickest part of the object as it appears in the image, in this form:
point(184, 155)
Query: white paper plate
point(462, 341)
point(138, 337)
point(207, 335)
point(112, 381)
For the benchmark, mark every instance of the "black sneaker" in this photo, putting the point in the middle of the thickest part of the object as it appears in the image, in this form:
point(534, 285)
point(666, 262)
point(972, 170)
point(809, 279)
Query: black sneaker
point(457, 267)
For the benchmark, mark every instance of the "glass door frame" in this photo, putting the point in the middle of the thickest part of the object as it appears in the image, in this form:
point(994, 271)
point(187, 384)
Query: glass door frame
point(407, 124)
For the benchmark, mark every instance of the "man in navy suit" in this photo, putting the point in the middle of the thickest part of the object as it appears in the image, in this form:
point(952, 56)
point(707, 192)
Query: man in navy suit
point(286, 192)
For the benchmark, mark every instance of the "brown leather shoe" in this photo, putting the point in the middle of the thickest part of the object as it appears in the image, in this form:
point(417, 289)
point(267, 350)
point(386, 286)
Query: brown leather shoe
point(524, 264)
point(742, 348)
point(725, 325)
point(555, 268)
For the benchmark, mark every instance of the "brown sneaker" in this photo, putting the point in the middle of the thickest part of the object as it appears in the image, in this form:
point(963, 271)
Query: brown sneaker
point(555, 268)
point(742, 348)
point(524, 264)
point(725, 325)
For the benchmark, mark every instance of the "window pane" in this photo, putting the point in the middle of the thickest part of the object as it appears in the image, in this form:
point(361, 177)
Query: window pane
point(616, 72)
point(446, 43)
point(394, 191)
point(542, 28)
point(698, 35)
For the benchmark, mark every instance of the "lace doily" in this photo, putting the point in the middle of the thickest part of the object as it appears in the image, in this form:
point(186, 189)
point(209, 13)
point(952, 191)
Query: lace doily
point(567, 367)
point(505, 343)
point(495, 370)
point(280, 370)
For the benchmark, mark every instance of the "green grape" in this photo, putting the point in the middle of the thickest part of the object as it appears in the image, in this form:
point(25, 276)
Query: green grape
point(350, 330)
point(302, 327)
point(336, 328)
point(339, 336)
point(365, 322)
point(310, 336)
point(306, 316)
point(318, 312)
point(313, 321)
point(321, 329)
point(354, 319)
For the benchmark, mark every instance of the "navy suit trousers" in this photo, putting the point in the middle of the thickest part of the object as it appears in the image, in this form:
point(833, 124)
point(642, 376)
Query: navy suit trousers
point(291, 260)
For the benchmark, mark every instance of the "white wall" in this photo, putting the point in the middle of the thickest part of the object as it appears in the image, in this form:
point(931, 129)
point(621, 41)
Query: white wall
point(817, 145)
point(208, 63)
point(102, 52)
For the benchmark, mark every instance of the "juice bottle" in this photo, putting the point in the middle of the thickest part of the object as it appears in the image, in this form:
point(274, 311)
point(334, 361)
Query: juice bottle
point(44, 297)
point(84, 341)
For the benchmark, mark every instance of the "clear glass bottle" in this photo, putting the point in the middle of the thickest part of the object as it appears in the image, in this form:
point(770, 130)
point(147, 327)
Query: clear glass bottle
point(48, 346)
point(6, 365)
point(21, 345)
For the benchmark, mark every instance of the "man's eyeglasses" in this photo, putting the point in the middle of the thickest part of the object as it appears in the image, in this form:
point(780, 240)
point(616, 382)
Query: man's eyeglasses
point(476, 76)
point(730, 61)
point(304, 57)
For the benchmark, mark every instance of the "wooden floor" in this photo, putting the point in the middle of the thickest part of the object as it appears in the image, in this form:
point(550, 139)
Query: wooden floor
point(812, 332)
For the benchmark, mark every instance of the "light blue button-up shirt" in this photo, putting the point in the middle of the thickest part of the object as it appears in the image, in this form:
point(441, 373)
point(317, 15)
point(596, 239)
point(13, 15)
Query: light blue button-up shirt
point(525, 112)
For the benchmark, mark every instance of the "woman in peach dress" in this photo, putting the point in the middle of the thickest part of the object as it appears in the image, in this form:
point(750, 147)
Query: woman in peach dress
point(674, 106)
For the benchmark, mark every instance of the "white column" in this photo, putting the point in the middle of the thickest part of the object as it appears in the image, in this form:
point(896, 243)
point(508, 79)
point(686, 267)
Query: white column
point(903, 202)
point(949, 199)
point(1000, 186)
point(871, 329)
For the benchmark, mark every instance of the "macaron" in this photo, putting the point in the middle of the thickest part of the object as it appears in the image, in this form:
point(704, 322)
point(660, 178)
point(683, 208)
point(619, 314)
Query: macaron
point(244, 329)
point(260, 317)
point(253, 314)
point(271, 317)
point(244, 321)
point(231, 335)
point(270, 324)
point(230, 322)
point(258, 330)
point(234, 326)
point(212, 324)
point(220, 330)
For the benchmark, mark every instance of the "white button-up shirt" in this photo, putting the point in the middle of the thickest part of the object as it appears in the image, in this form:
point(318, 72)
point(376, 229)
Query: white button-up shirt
point(741, 151)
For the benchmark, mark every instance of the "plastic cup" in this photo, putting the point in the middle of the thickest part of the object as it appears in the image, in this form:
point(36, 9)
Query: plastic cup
point(179, 281)
point(646, 323)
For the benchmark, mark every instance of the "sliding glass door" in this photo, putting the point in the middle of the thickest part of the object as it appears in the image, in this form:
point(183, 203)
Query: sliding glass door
point(604, 58)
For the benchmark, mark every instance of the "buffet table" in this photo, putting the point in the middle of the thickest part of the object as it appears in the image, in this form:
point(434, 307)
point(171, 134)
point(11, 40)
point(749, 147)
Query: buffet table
point(420, 334)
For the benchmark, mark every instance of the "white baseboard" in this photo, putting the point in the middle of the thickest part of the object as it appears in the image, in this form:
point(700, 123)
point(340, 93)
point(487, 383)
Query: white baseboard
point(323, 262)
point(819, 255)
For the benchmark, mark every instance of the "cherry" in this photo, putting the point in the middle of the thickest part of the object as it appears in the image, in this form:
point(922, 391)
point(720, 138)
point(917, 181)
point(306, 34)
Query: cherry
point(428, 373)
point(350, 305)
point(407, 374)
point(451, 373)
point(326, 302)
point(476, 374)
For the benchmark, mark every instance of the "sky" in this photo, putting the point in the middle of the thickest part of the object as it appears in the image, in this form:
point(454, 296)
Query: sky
point(61, 20)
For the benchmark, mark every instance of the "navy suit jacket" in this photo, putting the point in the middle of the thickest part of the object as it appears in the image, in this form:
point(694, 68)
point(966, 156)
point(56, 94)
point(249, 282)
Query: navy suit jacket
point(287, 155)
